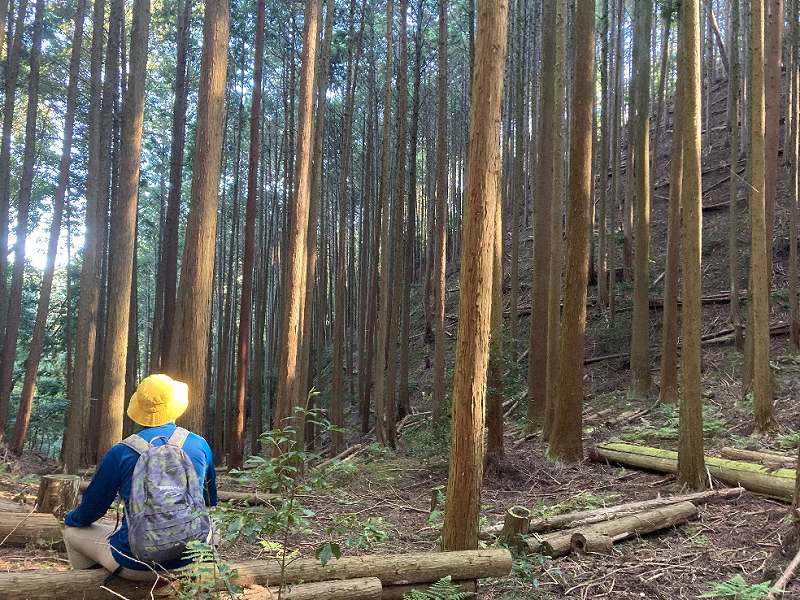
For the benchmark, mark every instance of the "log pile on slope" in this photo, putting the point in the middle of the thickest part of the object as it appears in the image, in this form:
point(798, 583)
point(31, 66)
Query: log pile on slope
point(396, 574)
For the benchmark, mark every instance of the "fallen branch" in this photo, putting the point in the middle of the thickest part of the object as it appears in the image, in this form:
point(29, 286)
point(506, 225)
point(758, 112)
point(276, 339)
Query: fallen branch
point(251, 498)
point(756, 478)
point(588, 517)
point(780, 585)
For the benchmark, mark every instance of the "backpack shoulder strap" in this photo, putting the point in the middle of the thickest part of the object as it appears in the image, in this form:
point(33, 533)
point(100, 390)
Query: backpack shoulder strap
point(136, 443)
point(178, 437)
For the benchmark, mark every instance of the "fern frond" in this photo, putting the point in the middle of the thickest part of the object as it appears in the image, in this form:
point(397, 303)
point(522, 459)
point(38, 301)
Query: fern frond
point(444, 589)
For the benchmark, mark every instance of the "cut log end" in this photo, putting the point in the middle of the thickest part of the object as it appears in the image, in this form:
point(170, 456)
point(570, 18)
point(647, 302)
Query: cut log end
point(515, 525)
point(584, 543)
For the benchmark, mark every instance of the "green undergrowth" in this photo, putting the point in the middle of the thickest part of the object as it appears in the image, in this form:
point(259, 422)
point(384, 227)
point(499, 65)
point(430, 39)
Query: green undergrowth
point(737, 588)
point(664, 424)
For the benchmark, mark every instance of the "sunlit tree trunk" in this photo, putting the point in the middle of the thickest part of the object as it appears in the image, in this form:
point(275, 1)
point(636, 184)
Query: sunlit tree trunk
point(14, 313)
point(37, 340)
point(482, 197)
point(188, 355)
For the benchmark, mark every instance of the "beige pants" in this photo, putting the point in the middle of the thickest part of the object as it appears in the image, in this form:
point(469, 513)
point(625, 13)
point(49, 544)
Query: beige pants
point(88, 546)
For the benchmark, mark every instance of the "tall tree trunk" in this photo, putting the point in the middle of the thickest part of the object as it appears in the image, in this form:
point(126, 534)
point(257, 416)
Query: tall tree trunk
point(602, 203)
point(616, 151)
point(556, 219)
point(794, 183)
point(439, 369)
point(123, 235)
point(482, 199)
point(9, 103)
point(759, 276)
point(236, 446)
point(734, 90)
point(565, 436)
point(37, 340)
point(404, 405)
point(640, 338)
point(772, 97)
point(188, 355)
point(384, 257)
point(294, 284)
point(542, 226)
point(86, 329)
point(168, 269)
point(9, 352)
point(691, 467)
point(668, 393)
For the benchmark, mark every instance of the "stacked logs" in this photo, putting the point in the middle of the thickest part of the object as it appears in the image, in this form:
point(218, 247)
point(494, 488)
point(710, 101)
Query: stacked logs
point(597, 530)
point(364, 577)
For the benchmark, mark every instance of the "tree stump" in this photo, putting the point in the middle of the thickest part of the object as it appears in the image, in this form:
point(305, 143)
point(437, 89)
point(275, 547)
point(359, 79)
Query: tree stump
point(583, 543)
point(58, 494)
point(515, 525)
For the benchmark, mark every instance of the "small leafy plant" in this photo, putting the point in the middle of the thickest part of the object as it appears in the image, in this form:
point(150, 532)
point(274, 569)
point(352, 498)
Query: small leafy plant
point(444, 589)
point(737, 588)
point(205, 575)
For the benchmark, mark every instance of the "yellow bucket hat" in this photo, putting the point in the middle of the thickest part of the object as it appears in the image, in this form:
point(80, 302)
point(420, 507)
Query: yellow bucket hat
point(159, 399)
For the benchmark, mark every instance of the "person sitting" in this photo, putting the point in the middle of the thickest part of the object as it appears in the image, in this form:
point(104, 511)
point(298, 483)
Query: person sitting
point(164, 474)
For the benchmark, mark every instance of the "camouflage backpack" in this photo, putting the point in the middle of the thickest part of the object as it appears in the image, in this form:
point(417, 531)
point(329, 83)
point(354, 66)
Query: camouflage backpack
point(166, 509)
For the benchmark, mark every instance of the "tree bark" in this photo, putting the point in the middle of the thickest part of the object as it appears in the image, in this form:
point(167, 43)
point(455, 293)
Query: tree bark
point(168, 269)
point(439, 375)
point(691, 471)
point(123, 235)
point(20, 529)
point(734, 90)
point(640, 358)
point(190, 334)
point(759, 263)
point(565, 435)
point(460, 529)
point(544, 202)
point(58, 494)
point(294, 284)
point(773, 34)
point(236, 444)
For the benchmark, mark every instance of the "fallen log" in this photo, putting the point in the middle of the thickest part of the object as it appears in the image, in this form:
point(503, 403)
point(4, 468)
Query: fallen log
point(19, 529)
point(364, 588)
point(341, 456)
point(598, 543)
point(580, 518)
point(58, 494)
point(560, 543)
point(768, 459)
point(756, 478)
point(392, 570)
point(398, 592)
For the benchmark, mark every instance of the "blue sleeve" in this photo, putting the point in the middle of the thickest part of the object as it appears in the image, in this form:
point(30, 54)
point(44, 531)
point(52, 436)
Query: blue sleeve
point(211, 479)
point(100, 494)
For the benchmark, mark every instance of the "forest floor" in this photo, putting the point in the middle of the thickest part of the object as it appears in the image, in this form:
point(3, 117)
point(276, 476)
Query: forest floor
point(382, 504)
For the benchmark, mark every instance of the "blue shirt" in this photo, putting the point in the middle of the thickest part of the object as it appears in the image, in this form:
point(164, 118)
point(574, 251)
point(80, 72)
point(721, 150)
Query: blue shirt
point(113, 477)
